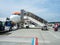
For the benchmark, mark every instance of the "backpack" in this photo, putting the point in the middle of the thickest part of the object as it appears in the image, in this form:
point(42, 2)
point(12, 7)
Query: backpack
point(8, 23)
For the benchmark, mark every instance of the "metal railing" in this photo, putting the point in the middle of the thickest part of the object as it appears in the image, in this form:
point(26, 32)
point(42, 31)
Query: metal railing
point(36, 17)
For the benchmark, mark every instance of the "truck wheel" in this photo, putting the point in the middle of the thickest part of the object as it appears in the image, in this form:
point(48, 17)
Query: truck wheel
point(27, 26)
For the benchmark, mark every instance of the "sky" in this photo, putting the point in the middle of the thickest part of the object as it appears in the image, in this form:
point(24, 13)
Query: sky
point(46, 9)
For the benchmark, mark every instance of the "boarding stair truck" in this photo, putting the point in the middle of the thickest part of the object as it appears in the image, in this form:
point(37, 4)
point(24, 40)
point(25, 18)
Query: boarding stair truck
point(32, 23)
point(35, 19)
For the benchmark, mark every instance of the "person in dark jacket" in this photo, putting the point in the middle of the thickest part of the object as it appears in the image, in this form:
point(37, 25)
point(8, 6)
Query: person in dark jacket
point(8, 23)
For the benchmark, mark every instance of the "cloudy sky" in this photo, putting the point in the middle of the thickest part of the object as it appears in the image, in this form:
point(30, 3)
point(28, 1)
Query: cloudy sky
point(46, 9)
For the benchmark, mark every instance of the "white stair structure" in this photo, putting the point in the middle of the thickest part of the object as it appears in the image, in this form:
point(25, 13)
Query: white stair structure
point(34, 20)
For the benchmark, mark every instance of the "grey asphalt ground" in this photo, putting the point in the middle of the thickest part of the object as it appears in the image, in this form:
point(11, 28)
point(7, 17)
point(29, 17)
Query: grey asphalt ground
point(49, 37)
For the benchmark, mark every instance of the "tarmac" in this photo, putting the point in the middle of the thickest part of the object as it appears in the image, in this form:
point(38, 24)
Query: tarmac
point(25, 36)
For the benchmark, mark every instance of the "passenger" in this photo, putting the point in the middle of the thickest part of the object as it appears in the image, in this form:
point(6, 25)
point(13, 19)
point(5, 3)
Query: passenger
point(56, 27)
point(8, 23)
point(13, 24)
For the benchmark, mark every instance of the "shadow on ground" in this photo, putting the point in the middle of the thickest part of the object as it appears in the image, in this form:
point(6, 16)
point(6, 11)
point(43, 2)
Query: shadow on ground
point(4, 33)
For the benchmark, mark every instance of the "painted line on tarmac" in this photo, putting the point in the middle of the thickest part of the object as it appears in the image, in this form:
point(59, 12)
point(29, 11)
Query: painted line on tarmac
point(33, 41)
point(36, 41)
point(46, 41)
point(57, 37)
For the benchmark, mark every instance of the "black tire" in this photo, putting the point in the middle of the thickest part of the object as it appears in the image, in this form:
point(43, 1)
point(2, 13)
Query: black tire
point(41, 29)
point(46, 29)
point(27, 26)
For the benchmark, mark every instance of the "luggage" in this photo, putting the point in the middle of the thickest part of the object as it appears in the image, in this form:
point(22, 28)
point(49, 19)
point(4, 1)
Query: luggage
point(7, 28)
point(55, 29)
